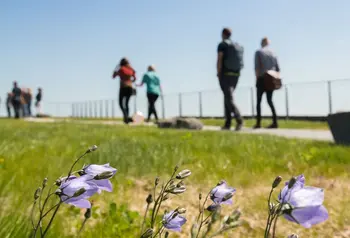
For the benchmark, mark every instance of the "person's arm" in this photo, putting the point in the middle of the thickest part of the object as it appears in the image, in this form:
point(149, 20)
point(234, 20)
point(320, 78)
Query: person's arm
point(257, 64)
point(219, 63)
point(115, 72)
point(142, 82)
point(277, 66)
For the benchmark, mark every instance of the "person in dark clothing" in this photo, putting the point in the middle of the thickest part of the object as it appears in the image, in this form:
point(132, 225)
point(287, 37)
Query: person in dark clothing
point(265, 60)
point(127, 76)
point(229, 65)
point(8, 104)
point(38, 99)
point(16, 99)
point(154, 89)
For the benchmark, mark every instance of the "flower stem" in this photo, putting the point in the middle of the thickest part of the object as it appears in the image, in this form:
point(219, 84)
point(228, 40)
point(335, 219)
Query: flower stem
point(144, 218)
point(274, 227)
point(75, 162)
point(267, 228)
point(32, 214)
point(82, 226)
point(52, 218)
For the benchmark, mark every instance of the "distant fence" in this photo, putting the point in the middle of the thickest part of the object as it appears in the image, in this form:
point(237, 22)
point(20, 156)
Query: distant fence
point(314, 99)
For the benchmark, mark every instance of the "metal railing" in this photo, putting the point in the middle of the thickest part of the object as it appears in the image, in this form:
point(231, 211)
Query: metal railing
point(318, 98)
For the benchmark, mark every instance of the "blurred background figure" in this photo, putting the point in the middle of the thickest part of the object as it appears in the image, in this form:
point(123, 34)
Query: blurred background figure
point(38, 99)
point(127, 76)
point(9, 104)
point(154, 89)
point(16, 99)
point(28, 97)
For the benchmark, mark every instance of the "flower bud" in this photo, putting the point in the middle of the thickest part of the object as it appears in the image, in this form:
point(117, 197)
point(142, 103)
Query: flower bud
point(149, 199)
point(58, 192)
point(166, 234)
point(37, 193)
point(181, 183)
point(170, 188)
point(87, 214)
point(221, 182)
point(277, 181)
point(181, 210)
point(183, 174)
point(58, 182)
point(166, 197)
point(227, 196)
point(92, 149)
point(200, 196)
point(178, 190)
point(293, 236)
point(104, 175)
point(176, 168)
point(44, 182)
point(79, 192)
point(213, 207)
point(148, 233)
point(291, 183)
point(156, 181)
point(236, 214)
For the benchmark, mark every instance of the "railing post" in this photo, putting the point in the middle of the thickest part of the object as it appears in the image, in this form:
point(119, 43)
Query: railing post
point(252, 101)
point(180, 104)
point(329, 83)
point(90, 109)
point(113, 108)
point(287, 101)
point(200, 105)
point(163, 106)
point(101, 109)
point(106, 108)
point(81, 110)
point(95, 109)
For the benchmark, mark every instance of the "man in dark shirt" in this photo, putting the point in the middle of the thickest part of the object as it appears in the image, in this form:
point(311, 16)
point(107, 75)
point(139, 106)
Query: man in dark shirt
point(8, 104)
point(228, 77)
point(16, 99)
point(38, 99)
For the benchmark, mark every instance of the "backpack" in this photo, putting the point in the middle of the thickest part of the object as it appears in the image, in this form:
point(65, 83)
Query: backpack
point(233, 56)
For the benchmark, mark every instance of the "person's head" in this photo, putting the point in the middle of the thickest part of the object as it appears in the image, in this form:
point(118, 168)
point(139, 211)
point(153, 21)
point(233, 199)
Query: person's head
point(265, 42)
point(226, 33)
point(151, 68)
point(40, 90)
point(124, 62)
point(15, 84)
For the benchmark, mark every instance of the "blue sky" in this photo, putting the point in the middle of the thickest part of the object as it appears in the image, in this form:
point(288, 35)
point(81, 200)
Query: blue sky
point(71, 47)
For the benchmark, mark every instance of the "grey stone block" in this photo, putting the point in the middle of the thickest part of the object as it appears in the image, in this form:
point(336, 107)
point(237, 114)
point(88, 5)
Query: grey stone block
point(339, 123)
point(181, 123)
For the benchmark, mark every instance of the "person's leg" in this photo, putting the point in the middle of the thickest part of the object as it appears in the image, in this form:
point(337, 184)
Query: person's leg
point(155, 97)
point(270, 102)
point(149, 98)
point(121, 103)
point(259, 94)
point(235, 110)
point(8, 112)
point(16, 106)
point(227, 95)
point(128, 94)
point(30, 109)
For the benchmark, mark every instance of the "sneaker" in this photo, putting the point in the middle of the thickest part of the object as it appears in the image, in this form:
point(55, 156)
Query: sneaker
point(239, 126)
point(257, 126)
point(273, 126)
point(225, 128)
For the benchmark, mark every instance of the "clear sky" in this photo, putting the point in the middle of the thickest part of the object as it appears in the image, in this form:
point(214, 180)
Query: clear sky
point(70, 48)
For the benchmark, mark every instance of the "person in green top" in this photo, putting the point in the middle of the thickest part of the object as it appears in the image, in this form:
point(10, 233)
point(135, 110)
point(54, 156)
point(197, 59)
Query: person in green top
point(154, 90)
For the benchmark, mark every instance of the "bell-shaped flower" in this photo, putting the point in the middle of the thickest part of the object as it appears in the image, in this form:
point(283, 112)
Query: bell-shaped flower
point(303, 204)
point(173, 221)
point(222, 193)
point(100, 175)
point(76, 191)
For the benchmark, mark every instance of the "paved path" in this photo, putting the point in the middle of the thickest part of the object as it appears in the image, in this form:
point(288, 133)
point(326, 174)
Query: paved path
point(321, 135)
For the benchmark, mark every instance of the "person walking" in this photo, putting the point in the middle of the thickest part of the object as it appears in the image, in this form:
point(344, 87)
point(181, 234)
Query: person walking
point(38, 99)
point(265, 60)
point(9, 104)
point(16, 99)
point(27, 96)
point(127, 76)
point(229, 65)
point(154, 90)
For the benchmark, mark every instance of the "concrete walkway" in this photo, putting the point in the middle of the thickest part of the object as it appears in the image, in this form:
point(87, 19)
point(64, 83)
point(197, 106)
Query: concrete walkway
point(320, 135)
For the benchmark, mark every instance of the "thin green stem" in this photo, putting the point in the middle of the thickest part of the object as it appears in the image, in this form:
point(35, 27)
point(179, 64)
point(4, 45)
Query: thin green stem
point(274, 227)
point(158, 231)
point(144, 218)
point(75, 162)
point(52, 218)
point(32, 214)
point(82, 226)
point(269, 217)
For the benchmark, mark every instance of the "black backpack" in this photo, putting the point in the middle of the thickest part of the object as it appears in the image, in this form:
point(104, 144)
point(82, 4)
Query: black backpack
point(233, 56)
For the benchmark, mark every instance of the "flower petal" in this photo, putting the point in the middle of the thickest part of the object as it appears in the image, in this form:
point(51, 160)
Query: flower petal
point(82, 203)
point(307, 196)
point(308, 216)
point(285, 193)
point(104, 184)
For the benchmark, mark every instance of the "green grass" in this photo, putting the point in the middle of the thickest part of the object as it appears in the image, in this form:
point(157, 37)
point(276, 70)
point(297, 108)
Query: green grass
point(292, 124)
point(30, 152)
